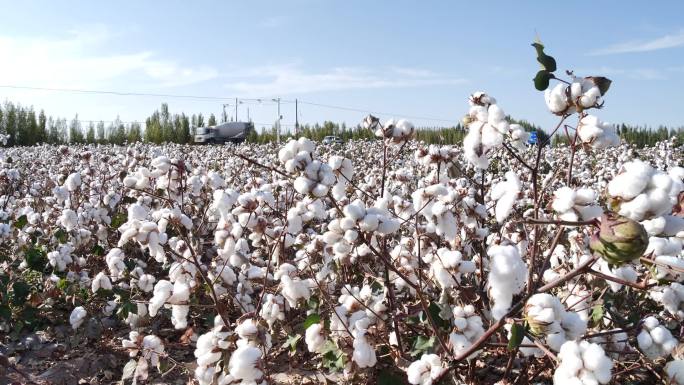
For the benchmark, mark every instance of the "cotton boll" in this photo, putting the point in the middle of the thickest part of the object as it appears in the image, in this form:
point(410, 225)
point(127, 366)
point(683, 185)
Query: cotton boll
point(556, 99)
point(582, 363)
point(73, 181)
point(243, 363)
point(179, 316)
point(675, 372)
point(597, 134)
point(672, 298)
point(162, 292)
point(654, 339)
point(564, 199)
point(146, 282)
point(506, 278)
point(425, 370)
point(632, 181)
point(314, 338)
point(506, 194)
point(101, 281)
point(364, 354)
point(152, 349)
point(69, 219)
point(669, 267)
point(77, 317)
point(467, 329)
point(272, 309)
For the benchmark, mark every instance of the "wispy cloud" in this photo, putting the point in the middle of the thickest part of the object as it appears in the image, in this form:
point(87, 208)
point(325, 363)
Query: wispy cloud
point(631, 73)
point(74, 60)
point(291, 79)
point(663, 42)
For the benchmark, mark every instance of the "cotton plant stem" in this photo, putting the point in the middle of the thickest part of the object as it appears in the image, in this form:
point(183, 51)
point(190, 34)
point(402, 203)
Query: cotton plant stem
point(560, 222)
point(639, 286)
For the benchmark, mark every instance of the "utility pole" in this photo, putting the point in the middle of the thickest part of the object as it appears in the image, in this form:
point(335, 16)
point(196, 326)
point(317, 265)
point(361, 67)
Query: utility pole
point(236, 105)
point(248, 119)
point(296, 117)
point(280, 117)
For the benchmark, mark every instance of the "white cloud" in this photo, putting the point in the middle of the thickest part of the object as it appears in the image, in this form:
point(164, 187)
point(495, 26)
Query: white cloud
point(74, 61)
point(290, 79)
point(663, 42)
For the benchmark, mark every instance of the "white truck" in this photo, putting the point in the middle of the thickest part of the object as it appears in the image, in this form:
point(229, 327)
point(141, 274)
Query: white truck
point(235, 132)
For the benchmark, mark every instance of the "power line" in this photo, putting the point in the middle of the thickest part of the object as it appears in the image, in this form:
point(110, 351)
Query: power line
point(121, 93)
point(252, 101)
point(373, 112)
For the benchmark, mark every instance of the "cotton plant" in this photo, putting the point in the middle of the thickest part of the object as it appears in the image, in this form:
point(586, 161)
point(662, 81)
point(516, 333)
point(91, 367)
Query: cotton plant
point(579, 95)
point(149, 349)
point(392, 131)
point(208, 352)
point(486, 128)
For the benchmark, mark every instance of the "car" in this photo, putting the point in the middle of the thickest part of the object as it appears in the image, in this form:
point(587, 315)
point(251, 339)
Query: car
point(332, 140)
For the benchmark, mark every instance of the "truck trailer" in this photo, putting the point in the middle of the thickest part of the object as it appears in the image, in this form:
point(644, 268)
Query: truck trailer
point(234, 132)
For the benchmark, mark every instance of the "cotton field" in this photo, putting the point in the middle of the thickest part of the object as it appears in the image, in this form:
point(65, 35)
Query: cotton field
point(385, 261)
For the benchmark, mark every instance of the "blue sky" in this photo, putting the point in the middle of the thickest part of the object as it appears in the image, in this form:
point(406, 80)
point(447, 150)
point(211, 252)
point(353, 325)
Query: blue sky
point(408, 58)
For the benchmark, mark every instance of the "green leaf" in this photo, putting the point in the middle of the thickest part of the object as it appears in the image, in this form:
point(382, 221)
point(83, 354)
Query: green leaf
point(547, 62)
point(20, 291)
point(21, 222)
point(333, 357)
point(422, 344)
point(597, 314)
point(61, 236)
point(5, 312)
point(311, 319)
point(291, 342)
point(128, 200)
point(517, 334)
point(386, 377)
point(127, 308)
point(35, 259)
point(313, 303)
point(62, 284)
point(435, 310)
point(29, 315)
point(98, 250)
point(541, 81)
point(118, 220)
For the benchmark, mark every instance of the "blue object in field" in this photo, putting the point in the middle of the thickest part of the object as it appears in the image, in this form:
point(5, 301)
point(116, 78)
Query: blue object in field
point(533, 138)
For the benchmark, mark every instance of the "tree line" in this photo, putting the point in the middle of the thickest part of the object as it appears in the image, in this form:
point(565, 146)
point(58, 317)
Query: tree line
point(25, 127)
point(640, 136)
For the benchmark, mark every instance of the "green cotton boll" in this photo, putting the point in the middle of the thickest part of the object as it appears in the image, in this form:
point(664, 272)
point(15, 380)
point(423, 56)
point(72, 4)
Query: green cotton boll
point(619, 239)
